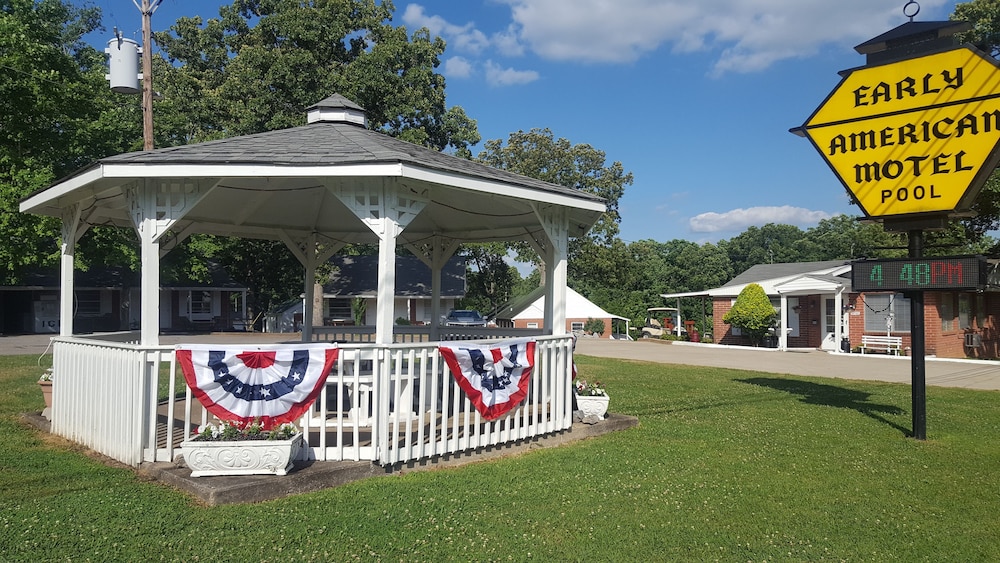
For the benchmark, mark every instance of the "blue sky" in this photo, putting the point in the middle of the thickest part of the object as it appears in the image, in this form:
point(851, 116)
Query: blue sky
point(694, 98)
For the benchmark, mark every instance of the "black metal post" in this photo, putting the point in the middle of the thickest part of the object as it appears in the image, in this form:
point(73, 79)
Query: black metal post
point(918, 391)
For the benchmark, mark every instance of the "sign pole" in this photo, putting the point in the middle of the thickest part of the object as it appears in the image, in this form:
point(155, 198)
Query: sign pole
point(918, 383)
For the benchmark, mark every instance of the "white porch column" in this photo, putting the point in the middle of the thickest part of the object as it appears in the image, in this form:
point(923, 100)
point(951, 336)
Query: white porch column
point(783, 326)
point(838, 305)
point(71, 233)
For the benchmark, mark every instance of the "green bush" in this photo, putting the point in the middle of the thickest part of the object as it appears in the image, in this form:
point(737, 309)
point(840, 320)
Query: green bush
point(752, 313)
point(595, 326)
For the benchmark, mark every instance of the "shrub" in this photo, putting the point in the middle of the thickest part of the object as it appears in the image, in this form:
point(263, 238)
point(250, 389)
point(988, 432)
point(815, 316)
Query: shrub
point(595, 326)
point(752, 313)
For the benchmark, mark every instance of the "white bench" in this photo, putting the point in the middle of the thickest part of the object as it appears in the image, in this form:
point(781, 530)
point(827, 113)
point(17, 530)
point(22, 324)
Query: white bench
point(887, 344)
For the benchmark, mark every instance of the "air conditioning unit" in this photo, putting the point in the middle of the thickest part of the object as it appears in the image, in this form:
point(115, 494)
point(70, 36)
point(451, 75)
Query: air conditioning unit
point(973, 340)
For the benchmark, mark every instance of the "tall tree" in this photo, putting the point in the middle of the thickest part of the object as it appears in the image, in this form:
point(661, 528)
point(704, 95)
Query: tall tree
point(984, 15)
point(56, 115)
point(261, 63)
point(772, 243)
point(846, 237)
point(538, 154)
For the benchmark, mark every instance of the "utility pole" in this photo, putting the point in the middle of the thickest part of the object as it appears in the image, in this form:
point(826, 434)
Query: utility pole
point(147, 10)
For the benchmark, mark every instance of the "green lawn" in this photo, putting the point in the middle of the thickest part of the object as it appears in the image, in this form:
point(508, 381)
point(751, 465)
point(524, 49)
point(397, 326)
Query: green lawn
point(725, 465)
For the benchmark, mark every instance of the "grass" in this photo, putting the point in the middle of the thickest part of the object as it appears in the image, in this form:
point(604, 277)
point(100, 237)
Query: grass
point(725, 465)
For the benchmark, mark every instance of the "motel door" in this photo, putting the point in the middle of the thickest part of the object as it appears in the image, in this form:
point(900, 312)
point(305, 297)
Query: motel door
point(829, 324)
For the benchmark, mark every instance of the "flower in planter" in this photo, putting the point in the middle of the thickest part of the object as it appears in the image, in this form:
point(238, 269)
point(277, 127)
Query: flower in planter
point(46, 376)
point(595, 389)
point(232, 431)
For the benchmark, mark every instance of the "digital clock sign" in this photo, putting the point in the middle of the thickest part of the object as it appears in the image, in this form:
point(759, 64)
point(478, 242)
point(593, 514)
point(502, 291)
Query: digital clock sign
point(942, 273)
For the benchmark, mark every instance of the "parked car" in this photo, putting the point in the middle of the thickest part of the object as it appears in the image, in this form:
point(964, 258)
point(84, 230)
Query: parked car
point(464, 317)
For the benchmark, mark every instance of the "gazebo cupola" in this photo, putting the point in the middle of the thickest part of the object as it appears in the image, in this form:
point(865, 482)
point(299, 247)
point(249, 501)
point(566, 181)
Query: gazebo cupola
point(337, 109)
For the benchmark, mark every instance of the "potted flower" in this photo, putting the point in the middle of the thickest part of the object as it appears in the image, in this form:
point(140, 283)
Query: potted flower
point(45, 382)
point(233, 448)
point(591, 400)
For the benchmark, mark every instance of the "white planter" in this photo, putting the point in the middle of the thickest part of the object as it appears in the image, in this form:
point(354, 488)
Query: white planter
point(241, 457)
point(593, 406)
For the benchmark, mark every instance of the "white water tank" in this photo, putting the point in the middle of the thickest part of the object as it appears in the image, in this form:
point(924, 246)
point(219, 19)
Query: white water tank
point(123, 66)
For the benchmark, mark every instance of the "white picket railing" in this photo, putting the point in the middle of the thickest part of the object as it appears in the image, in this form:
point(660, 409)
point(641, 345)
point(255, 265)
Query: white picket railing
point(388, 404)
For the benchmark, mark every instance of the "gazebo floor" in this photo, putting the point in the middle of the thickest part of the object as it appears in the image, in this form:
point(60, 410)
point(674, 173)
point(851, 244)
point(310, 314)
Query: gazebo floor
point(314, 476)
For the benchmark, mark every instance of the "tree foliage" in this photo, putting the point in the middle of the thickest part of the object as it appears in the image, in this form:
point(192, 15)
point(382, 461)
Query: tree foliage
point(984, 15)
point(752, 313)
point(56, 115)
point(538, 154)
point(262, 63)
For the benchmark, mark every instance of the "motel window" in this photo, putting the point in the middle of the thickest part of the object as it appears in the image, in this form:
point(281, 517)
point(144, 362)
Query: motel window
point(886, 312)
point(964, 311)
point(532, 325)
point(946, 310)
point(88, 303)
point(576, 325)
point(339, 308)
point(201, 303)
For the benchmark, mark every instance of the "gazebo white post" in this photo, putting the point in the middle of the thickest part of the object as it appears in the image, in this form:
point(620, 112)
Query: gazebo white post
point(310, 254)
point(555, 222)
point(386, 293)
point(71, 233)
point(386, 211)
point(783, 331)
point(307, 303)
point(435, 256)
point(155, 209)
point(149, 285)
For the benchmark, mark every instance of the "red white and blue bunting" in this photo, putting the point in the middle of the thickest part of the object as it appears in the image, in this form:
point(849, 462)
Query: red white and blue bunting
point(272, 384)
point(494, 376)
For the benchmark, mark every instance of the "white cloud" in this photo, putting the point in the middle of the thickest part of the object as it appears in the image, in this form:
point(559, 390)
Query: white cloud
point(497, 76)
point(464, 38)
point(507, 42)
point(740, 219)
point(750, 35)
point(747, 35)
point(457, 67)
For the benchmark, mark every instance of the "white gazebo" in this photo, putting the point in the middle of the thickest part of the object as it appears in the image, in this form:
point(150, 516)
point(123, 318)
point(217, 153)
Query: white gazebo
point(317, 188)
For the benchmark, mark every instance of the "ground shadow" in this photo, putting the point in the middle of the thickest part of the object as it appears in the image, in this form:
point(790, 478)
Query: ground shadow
point(832, 396)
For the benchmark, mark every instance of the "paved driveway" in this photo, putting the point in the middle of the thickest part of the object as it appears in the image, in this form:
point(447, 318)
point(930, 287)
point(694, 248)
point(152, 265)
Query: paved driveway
point(971, 374)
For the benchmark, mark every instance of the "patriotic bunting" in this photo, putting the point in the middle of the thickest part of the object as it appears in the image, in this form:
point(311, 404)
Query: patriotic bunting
point(495, 377)
point(272, 384)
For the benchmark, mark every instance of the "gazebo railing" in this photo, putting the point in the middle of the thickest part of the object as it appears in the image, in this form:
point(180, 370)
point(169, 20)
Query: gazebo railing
point(388, 404)
point(419, 333)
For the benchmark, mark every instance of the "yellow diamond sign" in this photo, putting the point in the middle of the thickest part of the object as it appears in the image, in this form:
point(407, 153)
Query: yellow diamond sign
point(914, 136)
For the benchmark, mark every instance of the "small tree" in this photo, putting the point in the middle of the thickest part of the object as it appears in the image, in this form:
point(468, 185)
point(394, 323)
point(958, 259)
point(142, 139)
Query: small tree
point(594, 326)
point(752, 313)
